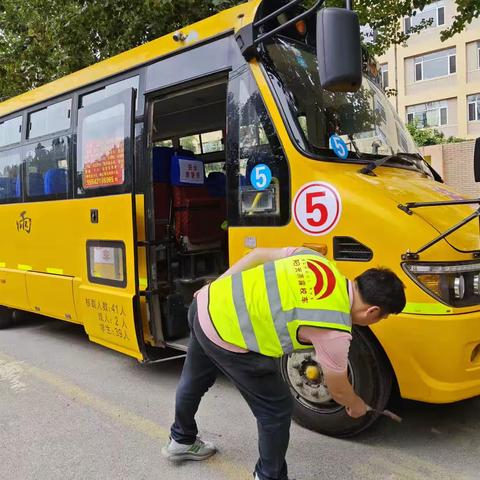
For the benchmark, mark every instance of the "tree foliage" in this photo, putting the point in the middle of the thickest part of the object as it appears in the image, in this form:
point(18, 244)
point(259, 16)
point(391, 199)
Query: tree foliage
point(41, 40)
point(385, 18)
point(429, 136)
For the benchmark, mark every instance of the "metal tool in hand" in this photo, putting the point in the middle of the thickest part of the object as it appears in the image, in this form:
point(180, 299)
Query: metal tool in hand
point(387, 413)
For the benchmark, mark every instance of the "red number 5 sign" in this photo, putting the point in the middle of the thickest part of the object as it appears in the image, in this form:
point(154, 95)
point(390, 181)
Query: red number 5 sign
point(316, 208)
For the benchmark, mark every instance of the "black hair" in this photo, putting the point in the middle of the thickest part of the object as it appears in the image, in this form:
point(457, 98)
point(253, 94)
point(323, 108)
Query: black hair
point(382, 288)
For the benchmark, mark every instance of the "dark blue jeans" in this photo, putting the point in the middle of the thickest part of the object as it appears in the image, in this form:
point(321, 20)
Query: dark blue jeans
point(260, 383)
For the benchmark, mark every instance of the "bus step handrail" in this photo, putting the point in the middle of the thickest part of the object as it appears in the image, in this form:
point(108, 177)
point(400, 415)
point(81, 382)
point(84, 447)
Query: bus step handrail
point(149, 292)
point(151, 243)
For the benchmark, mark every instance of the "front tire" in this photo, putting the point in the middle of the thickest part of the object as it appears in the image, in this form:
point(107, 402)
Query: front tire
point(6, 317)
point(314, 408)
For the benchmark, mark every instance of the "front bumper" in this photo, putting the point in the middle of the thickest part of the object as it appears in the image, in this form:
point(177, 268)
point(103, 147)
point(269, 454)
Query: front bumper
point(436, 358)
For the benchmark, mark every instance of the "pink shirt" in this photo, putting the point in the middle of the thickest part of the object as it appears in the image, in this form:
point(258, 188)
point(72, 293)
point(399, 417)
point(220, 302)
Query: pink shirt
point(331, 346)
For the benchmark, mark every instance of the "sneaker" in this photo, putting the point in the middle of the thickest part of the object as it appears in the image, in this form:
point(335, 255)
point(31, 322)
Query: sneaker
point(178, 452)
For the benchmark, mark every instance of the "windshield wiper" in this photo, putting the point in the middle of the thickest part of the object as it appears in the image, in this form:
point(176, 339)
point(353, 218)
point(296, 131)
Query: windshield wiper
point(371, 166)
point(368, 169)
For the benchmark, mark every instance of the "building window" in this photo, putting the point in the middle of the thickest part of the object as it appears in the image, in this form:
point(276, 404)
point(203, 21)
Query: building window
point(384, 73)
point(473, 107)
point(434, 13)
point(436, 64)
point(433, 114)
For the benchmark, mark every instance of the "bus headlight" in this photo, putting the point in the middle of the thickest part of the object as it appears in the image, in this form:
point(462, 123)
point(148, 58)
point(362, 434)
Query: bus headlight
point(457, 285)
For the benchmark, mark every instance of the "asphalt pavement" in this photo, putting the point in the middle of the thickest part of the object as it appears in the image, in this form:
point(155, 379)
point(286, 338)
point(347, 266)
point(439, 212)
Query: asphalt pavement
point(70, 409)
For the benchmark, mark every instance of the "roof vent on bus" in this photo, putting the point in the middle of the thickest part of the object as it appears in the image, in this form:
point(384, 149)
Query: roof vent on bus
point(347, 248)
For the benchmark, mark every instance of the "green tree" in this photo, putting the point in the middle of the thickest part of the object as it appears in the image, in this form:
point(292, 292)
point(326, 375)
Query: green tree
point(41, 40)
point(429, 136)
point(385, 18)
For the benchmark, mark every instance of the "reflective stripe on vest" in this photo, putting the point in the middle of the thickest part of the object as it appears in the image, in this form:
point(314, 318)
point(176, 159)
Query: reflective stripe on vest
point(262, 308)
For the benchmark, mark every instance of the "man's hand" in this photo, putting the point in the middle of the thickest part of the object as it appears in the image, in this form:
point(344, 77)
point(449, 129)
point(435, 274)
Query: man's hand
point(342, 392)
point(358, 409)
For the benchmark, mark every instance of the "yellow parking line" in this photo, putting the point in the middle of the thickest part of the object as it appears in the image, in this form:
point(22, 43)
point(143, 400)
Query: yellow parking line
point(220, 462)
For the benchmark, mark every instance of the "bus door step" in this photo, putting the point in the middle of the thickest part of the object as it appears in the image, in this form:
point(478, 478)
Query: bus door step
point(175, 324)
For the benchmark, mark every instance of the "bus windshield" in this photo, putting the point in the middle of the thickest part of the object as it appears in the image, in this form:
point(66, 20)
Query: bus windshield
point(365, 119)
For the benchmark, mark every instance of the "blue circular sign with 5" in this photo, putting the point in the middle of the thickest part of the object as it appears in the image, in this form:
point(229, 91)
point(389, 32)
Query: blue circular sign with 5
point(338, 145)
point(260, 177)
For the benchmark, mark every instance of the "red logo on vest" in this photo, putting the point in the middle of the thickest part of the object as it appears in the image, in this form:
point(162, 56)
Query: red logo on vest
point(325, 280)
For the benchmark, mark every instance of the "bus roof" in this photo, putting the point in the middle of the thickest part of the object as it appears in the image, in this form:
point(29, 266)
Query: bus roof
point(227, 20)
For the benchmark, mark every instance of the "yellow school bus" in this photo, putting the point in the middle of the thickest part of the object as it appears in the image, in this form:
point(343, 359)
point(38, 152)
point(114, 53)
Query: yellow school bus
point(126, 186)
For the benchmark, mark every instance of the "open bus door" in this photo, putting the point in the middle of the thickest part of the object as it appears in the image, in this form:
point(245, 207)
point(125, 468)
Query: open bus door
point(107, 297)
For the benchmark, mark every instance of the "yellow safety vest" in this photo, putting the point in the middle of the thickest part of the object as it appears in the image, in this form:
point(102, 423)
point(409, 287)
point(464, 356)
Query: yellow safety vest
point(261, 309)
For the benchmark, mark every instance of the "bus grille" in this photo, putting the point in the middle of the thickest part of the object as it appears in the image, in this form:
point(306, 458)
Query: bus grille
point(347, 248)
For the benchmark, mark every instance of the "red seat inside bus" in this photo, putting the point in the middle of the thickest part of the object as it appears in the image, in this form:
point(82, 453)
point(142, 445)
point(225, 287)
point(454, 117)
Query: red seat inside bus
point(198, 205)
point(198, 214)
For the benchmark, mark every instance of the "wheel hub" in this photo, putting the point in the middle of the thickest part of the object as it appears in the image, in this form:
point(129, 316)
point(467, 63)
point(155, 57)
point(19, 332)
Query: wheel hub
point(306, 378)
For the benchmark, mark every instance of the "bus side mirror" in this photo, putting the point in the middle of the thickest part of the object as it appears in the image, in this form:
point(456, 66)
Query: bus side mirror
point(339, 50)
point(476, 160)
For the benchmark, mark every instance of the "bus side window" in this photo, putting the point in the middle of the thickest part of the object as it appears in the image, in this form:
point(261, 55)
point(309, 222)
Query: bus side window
point(104, 146)
point(257, 169)
point(47, 164)
point(48, 120)
point(10, 176)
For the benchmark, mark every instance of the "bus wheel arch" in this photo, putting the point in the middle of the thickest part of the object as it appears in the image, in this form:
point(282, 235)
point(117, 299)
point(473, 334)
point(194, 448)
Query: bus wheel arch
point(369, 371)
